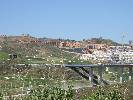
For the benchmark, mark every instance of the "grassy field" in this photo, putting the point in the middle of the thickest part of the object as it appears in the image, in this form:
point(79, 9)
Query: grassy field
point(22, 80)
point(29, 81)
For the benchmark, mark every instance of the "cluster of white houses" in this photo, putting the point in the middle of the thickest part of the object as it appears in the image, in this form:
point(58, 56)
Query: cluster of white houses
point(114, 54)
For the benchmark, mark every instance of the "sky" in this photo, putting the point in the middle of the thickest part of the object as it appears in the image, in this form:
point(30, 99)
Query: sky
point(68, 19)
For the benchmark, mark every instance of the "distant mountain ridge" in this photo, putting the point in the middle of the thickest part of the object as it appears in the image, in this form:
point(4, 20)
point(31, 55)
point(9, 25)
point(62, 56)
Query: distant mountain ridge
point(94, 40)
point(99, 40)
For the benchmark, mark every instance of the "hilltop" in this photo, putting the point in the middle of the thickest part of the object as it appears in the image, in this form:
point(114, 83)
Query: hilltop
point(101, 40)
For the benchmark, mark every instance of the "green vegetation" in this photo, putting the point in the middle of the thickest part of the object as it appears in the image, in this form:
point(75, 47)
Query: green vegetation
point(36, 83)
point(104, 41)
point(3, 55)
point(50, 93)
point(106, 94)
point(55, 52)
point(47, 92)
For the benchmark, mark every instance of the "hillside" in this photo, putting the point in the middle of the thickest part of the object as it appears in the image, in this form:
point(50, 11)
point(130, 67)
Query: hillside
point(30, 53)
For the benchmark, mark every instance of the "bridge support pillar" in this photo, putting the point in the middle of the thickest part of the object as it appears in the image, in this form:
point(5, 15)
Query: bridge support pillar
point(100, 72)
point(91, 75)
point(130, 73)
point(121, 73)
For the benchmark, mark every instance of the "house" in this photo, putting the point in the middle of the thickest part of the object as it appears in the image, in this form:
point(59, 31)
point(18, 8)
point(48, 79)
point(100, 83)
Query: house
point(74, 44)
point(52, 42)
point(97, 46)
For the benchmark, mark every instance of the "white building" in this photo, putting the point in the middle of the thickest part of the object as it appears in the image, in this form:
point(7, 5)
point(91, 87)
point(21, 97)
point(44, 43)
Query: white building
point(126, 57)
point(97, 55)
point(109, 56)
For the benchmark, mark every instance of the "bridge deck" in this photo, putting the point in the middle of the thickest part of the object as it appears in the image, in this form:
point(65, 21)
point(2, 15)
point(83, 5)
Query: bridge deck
point(96, 65)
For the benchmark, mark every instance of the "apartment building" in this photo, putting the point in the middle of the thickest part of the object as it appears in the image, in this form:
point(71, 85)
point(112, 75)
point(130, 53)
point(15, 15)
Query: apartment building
point(51, 42)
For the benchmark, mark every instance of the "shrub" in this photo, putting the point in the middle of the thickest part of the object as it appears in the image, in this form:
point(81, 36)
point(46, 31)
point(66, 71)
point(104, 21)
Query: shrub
point(103, 94)
point(50, 93)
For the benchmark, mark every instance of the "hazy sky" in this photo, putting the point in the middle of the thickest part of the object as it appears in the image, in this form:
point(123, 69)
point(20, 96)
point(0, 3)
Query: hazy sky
point(74, 19)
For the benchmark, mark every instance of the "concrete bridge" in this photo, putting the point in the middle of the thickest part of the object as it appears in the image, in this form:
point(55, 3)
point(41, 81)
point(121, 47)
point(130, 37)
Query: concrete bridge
point(90, 75)
point(87, 71)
